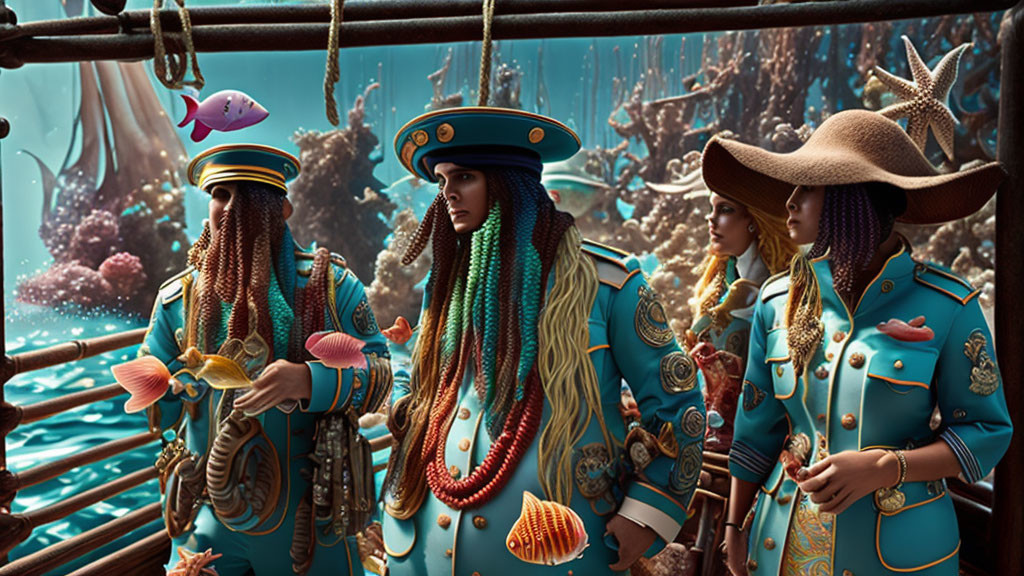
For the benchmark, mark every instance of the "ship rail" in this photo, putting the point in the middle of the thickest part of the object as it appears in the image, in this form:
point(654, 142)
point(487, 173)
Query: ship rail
point(144, 556)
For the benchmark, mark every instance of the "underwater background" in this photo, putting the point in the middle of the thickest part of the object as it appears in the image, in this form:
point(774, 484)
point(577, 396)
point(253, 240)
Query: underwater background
point(97, 213)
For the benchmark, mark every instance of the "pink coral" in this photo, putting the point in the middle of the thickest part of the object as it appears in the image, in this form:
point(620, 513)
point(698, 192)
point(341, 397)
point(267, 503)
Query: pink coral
point(95, 238)
point(68, 283)
point(125, 274)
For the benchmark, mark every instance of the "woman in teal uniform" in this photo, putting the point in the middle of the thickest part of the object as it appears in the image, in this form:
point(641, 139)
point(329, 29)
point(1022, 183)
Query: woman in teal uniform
point(851, 352)
point(745, 247)
point(512, 457)
point(249, 472)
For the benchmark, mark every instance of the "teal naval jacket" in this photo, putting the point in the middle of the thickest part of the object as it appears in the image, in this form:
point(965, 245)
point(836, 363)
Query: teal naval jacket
point(869, 387)
point(629, 339)
point(264, 548)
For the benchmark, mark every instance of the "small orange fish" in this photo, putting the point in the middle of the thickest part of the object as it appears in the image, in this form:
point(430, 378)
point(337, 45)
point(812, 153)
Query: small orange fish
point(400, 332)
point(337, 349)
point(546, 533)
point(145, 378)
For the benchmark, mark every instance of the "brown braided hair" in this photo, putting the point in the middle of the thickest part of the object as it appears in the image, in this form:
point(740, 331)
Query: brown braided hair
point(406, 473)
point(235, 266)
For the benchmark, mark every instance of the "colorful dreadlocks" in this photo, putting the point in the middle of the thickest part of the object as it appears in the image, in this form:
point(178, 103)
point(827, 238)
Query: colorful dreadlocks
point(855, 220)
point(247, 271)
point(484, 306)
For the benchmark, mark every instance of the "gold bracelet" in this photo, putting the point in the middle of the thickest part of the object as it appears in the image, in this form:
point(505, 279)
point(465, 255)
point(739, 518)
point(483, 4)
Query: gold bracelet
point(903, 466)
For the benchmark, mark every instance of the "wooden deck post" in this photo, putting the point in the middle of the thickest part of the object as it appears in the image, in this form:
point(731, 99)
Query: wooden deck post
point(1008, 501)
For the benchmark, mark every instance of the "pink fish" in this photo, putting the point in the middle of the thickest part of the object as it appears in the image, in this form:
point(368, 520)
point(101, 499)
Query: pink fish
point(146, 378)
point(913, 331)
point(224, 111)
point(337, 349)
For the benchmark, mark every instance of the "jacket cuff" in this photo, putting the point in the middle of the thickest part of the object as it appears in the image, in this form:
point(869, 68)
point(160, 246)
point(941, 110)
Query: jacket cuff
point(746, 463)
point(968, 463)
point(330, 388)
point(654, 508)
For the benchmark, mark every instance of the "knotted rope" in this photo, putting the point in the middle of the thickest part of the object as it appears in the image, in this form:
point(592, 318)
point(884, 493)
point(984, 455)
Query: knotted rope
point(175, 64)
point(333, 74)
point(485, 54)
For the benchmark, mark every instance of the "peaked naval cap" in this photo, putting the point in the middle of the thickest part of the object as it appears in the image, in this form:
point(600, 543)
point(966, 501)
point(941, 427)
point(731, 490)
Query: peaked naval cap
point(482, 136)
point(253, 162)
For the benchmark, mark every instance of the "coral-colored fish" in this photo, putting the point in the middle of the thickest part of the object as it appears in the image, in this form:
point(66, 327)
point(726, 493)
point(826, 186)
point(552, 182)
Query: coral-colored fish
point(145, 378)
point(913, 331)
point(337, 349)
point(400, 332)
point(224, 111)
point(546, 533)
point(194, 564)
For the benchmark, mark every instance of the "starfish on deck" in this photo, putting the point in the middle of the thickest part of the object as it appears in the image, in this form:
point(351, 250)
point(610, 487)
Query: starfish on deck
point(194, 563)
point(924, 101)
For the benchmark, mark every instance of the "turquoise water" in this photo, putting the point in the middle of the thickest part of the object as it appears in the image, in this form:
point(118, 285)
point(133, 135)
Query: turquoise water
point(31, 327)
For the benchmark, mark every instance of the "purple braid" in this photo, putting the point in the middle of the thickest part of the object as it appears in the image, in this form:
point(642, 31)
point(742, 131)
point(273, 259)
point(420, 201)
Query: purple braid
point(855, 220)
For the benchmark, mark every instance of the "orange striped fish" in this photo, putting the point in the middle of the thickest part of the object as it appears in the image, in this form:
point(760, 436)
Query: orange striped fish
point(546, 533)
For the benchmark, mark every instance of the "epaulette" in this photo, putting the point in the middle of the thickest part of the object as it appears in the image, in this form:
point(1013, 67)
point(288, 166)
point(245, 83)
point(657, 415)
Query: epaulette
point(944, 281)
point(614, 266)
point(776, 285)
point(171, 289)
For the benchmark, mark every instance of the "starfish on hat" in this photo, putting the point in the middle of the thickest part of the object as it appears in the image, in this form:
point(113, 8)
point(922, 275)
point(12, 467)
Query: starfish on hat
point(924, 101)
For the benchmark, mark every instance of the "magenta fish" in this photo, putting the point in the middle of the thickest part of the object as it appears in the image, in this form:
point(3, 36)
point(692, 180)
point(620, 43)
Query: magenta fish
point(225, 111)
point(337, 349)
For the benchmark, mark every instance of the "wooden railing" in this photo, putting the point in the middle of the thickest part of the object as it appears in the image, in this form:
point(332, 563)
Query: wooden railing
point(16, 528)
point(149, 552)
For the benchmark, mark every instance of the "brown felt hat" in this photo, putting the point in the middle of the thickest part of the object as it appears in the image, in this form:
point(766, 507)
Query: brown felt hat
point(850, 147)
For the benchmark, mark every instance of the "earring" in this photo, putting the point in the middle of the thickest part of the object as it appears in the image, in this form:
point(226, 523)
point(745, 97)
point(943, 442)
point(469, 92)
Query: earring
point(751, 228)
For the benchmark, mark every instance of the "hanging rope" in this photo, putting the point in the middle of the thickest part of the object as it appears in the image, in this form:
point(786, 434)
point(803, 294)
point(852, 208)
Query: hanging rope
point(485, 54)
point(170, 69)
point(333, 73)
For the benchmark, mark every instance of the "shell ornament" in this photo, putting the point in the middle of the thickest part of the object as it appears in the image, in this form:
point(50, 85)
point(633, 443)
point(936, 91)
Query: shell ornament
point(546, 533)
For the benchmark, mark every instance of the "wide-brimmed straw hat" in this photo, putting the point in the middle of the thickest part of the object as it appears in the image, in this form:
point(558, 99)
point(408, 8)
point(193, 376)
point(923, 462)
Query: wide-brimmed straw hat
point(850, 147)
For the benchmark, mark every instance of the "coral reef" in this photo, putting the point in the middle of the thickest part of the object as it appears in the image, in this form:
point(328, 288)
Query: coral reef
point(394, 291)
point(337, 193)
point(437, 79)
point(113, 219)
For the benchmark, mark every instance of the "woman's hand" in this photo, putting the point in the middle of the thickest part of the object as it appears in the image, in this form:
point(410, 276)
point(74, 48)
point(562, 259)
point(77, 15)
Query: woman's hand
point(841, 479)
point(633, 540)
point(736, 551)
point(280, 381)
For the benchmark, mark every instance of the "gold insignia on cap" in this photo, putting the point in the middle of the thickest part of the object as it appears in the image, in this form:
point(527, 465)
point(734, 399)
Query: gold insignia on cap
point(420, 137)
point(536, 135)
point(408, 149)
point(445, 133)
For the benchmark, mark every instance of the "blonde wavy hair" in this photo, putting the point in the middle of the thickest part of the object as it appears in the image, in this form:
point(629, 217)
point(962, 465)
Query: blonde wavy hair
point(566, 372)
point(773, 244)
